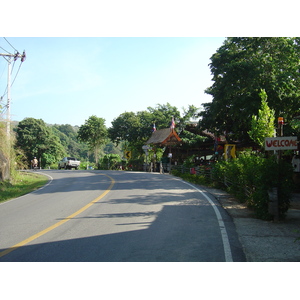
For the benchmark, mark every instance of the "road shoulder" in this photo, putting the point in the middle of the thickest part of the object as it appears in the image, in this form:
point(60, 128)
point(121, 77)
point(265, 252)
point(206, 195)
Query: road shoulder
point(263, 241)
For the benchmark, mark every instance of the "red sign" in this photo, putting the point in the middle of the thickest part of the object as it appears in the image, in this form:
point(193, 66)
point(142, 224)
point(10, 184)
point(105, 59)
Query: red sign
point(281, 143)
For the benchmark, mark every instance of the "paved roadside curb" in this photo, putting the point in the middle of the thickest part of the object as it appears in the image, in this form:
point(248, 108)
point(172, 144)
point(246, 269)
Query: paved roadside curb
point(263, 241)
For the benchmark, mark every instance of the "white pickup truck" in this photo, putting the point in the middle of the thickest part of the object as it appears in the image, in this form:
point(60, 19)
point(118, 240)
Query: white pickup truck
point(68, 163)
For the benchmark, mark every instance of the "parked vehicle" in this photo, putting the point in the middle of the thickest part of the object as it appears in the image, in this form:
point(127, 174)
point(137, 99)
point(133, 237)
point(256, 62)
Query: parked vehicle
point(68, 163)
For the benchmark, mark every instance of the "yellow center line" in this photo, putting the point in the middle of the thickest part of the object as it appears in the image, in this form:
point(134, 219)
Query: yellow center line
point(39, 234)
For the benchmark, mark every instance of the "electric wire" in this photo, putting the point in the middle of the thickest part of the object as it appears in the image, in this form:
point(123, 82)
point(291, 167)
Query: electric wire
point(13, 81)
point(12, 67)
point(5, 90)
point(16, 74)
point(4, 93)
point(2, 72)
point(3, 110)
point(4, 49)
point(11, 44)
point(15, 58)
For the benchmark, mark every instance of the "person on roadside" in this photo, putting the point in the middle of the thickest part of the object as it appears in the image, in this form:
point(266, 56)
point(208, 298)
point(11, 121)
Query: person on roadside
point(34, 163)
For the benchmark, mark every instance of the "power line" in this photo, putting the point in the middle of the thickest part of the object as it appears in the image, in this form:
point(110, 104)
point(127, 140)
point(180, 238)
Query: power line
point(12, 67)
point(9, 58)
point(15, 56)
point(2, 72)
point(4, 50)
point(5, 91)
point(11, 44)
point(16, 74)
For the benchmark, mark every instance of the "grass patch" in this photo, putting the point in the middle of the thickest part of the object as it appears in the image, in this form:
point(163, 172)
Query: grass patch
point(23, 183)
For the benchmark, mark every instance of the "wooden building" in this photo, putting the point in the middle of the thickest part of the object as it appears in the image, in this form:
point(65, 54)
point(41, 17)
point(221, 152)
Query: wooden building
point(164, 137)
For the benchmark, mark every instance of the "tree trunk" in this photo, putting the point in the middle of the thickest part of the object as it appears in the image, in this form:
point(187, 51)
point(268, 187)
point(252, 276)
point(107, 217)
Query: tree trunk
point(4, 167)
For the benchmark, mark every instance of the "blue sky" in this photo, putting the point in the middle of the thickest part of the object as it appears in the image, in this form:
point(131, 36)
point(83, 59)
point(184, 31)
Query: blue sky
point(122, 55)
point(67, 80)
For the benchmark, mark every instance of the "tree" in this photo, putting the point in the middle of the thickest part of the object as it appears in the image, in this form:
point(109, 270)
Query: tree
point(126, 127)
point(68, 130)
point(68, 137)
point(110, 161)
point(162, 115)
point(35, 138)
point(262, 126)
point(110, 148)
point(241, 67)
point(295, 124)
point(136, 128)
point(132, 129)
point(94, 133)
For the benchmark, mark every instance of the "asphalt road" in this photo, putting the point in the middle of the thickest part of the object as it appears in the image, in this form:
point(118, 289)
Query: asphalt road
point(116, 216)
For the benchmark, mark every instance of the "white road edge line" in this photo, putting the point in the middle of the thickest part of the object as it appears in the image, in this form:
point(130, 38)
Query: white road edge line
point(49, 182)
point(225, 240)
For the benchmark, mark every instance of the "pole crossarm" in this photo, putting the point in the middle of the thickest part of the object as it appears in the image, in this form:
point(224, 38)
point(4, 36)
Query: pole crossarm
point(15, 56)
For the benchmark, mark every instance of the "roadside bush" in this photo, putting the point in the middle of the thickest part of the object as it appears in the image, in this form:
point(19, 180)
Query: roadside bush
point(189, 161)
point(110, 162)
point(273, 174)
point(249, 178)
point(193, 178)
point(87, 166)
point(176, 173)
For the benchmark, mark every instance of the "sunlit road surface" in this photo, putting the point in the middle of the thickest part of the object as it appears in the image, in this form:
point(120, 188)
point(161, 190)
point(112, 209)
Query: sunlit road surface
point(116, 216)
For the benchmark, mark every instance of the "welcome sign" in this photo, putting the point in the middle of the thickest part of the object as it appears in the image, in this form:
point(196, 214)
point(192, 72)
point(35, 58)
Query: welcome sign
point(281, 143)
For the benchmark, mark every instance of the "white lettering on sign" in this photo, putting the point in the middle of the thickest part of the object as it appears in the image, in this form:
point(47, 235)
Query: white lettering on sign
point(281, 143)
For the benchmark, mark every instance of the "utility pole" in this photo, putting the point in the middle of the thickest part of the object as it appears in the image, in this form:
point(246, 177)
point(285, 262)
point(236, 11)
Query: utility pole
point(9, 57)
point(280, 134)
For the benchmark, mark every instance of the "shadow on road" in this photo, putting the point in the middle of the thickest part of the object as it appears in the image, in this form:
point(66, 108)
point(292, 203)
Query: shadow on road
point(189, 239)
point(181, 231)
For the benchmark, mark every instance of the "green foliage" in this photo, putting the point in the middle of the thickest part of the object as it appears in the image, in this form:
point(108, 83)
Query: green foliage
point(14, 156)
point(192, 178)
point(110, 162)
point(110, 148)
point(6, 152)
point(295, 125)
point(21, 184)
point(191, 139)
point(189, 161)
point(136, 128)
point(162, 115)
point(84, 165)
point(262, 126)
point(48, 159)
point(35, 138)
point(250, 177)
point(94, 133)
point(159, 154)
point(127, 127)
point(68, 138)
point(242, 67)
